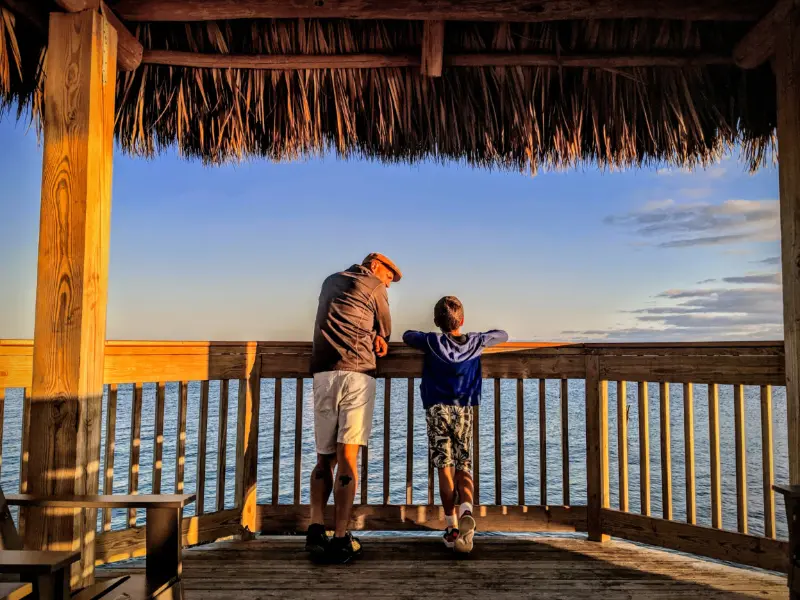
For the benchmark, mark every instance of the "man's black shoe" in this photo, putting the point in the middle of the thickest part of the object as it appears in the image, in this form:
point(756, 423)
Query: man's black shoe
point(317, 542)
point(344, 549)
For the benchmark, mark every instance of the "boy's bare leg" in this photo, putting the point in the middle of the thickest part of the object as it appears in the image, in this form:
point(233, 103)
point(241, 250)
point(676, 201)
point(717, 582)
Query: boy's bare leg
point(344, 491)
point(466, 487)
point(447, 489)
point(321, 486)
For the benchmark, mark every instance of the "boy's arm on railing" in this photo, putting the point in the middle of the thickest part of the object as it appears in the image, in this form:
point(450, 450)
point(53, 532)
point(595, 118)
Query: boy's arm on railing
point(493, 337)
point(415, 339)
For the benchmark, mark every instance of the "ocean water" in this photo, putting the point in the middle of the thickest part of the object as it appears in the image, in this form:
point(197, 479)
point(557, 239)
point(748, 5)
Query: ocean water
point(398, 439)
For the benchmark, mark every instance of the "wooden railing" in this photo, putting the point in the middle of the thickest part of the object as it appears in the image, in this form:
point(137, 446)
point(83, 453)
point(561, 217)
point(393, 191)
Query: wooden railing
point(258, 371)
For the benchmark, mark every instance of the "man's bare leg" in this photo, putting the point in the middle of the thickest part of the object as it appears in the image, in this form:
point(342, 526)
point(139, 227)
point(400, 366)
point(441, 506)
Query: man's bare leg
point(321, 486)
point(466, 487)
point(466, 520)
point(344, 491)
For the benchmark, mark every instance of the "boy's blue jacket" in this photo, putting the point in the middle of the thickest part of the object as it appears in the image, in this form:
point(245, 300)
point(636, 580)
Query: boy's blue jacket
point(451, 373)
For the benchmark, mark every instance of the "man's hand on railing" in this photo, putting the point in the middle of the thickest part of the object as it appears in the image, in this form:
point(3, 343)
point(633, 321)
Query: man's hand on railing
point(381, 347)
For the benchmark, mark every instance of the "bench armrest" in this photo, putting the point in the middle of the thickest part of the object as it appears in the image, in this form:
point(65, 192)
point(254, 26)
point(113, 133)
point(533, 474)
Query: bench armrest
point(101, 501)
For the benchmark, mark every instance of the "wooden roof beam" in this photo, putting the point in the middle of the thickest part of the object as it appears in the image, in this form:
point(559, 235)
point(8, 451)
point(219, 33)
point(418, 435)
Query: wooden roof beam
point(129, 50)
point(290, 62)
point(758, 45)
point(448, 10)
point(432, 48)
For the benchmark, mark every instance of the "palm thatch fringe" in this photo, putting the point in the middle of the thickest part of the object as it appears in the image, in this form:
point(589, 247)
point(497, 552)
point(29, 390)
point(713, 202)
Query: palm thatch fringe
point(520, 118)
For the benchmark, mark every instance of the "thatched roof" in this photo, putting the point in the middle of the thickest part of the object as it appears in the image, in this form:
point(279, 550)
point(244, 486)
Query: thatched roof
point(518, 117)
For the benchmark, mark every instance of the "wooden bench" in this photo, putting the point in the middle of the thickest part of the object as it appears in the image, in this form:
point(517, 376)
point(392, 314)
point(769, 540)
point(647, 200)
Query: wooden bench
point(791, 497)
point(163, 543)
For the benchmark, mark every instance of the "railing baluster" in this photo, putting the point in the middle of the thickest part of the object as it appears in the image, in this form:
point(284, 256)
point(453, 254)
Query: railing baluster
point(565, 439)
point(741, 459)
point(410, 443)
point(364, 473)
point(2, 420)
point(136, 445)
point(688, 435)
point(713, 439)
point(476, 458)
point(111, 433)
point(158, 437)
point(597, 476)
point(276, 440)
point(644, 449)
point(766, 460)
point(543, 441)
point(202, 434)
point(222, 443)
point(298, 439)
point(25, 442)
point(666, 456)
point(180, 447)
point(622, 443)
point(430, 483)
point(498, 466)
point(387, 397)
point(521, 441)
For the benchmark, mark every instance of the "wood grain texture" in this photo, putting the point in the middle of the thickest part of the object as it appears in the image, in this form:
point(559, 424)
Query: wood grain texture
point(180, 445)
point(298, 438)
point(787, 72)
point(688, 441)
point(473, 10)
point(72, 277)
point(410, 443)
point(520, 442)
point(644, 448)
point(498, 454)
point(432, 48)
point(135, 448)
point(565, 480)
point(129, 49)
point(247, 448)
point(130, 543)
point(276, 440)
point(387, 416)
point(597, 488)
point(666, 452)
point(285, 518)
point(500, 568)
point(202, 448)
point(767, 461)
point(755, 551)
point(104, 501)
point(158, 436)
point(741, 458)
point(622, 443)
point(758, 44)
point(714, 456)
point(222, 443)
point(111, 444)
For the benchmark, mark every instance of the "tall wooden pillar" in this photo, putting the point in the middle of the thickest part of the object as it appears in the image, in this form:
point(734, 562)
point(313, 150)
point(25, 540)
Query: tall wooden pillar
point(787, 71)
point(71, 289)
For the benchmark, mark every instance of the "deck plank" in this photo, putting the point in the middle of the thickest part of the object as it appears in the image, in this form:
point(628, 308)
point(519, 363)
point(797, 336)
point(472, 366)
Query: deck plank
point(413, 567)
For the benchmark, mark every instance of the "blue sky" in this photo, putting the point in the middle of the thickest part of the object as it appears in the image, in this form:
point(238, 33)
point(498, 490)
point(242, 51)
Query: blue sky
point(239, 252)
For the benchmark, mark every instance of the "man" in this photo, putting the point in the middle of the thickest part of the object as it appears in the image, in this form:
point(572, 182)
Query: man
point(352, 327)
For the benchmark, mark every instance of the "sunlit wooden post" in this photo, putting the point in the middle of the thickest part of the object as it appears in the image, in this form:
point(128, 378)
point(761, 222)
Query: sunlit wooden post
point(787, 71)
point(71, 290)
point(247, 440)
point(597, 486)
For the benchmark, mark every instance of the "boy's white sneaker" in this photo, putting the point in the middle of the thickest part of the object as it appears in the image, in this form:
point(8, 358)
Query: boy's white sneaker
point(466, 531)
point(450, 537)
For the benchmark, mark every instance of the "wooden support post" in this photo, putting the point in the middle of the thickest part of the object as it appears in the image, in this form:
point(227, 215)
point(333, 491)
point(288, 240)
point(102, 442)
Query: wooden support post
point(688, 435)
point(387, 413)
point(521, 442)
point(787, 71)
point(111, 434)
point(247, 448)
point(565, 439)
point(622, 443)
point(542, 442)
point(432, 48)
point(741, 458)
point(202, 439)
point(644, 449)
point(767, 461)
point(410, 444)
point(666, 455)
point(714, 457)
point(222, 443)
point(72, 282)
point(596, 448)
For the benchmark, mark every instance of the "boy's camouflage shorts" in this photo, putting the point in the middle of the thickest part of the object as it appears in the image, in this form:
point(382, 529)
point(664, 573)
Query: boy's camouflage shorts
point(450, 436)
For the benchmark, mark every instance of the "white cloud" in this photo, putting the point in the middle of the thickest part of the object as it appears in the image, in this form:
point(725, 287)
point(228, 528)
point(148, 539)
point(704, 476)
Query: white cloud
point(668, 224)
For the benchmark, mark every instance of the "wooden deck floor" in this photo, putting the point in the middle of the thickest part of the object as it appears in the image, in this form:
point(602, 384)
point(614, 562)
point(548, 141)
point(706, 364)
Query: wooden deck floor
point(505, 568)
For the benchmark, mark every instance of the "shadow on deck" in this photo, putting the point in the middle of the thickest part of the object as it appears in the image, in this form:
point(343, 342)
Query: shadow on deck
point(416, 567)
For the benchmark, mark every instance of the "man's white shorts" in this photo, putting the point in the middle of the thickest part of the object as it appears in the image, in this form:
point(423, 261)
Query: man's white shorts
point(343, 406)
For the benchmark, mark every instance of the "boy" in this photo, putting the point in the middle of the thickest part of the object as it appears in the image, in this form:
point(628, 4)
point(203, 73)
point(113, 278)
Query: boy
point(451, 386)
